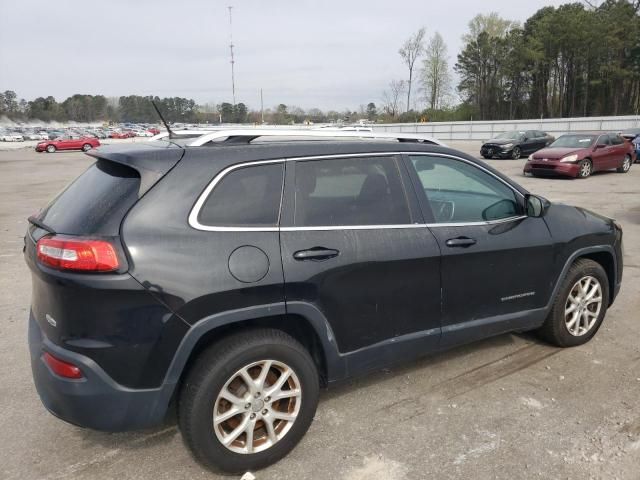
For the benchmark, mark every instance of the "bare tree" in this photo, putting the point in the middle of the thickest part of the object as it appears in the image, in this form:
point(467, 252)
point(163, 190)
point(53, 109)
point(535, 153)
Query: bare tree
point(391, 97)
point(412, 49)
point(436, 78)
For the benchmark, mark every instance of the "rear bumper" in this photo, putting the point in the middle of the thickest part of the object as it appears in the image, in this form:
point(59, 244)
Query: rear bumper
point(552, 168)
point(96, 401)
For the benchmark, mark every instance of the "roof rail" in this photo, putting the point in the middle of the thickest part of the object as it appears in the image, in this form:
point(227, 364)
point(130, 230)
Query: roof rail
point(244, 136)
point(182, 133)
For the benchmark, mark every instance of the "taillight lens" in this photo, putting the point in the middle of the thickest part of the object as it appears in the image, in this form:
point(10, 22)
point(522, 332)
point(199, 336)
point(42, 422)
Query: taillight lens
point(60, 367)
point(77, 254)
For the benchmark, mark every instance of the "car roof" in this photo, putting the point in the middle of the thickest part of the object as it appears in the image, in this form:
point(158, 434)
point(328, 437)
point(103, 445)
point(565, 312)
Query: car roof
point(154, 155)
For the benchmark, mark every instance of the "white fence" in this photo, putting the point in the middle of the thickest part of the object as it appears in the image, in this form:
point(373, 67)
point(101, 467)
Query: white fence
point(488, 129)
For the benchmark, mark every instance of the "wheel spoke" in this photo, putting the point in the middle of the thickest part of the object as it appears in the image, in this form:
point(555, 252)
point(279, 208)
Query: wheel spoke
point(572, 322)
point(593, 300)
point(231, 437)
point(285, 394)
point(223, 417)
point(249, 381)
point(283, 416)
point(271, 432)
point(570, 309)
point(230, 397)
point(249, 441)
point(263, 374)
point(284, 376)
point(595, 289)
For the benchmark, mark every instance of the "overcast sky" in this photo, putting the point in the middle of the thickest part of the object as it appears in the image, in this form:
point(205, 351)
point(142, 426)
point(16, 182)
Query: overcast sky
point(328, 54)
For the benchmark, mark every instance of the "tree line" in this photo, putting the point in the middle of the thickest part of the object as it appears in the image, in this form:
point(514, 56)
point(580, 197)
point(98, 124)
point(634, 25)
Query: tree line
point(579, 59)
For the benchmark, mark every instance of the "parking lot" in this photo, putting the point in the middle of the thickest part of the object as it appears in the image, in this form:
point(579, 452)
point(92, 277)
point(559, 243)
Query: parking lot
point(508, 407)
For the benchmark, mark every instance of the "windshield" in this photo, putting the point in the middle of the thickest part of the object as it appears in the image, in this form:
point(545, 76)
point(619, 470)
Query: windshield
point(574, 141)
point(515, 135)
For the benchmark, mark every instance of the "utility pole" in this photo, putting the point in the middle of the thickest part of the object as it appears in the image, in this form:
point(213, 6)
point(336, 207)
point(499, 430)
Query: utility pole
point(233, 79)
point(261, 107)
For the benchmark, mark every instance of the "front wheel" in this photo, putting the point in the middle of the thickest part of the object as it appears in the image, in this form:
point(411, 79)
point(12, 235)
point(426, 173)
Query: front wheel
point(248, 400)
point(586, 167)
point(516, 153)
point(51, 148)
point(626, 164)
point(86, 147)
point(579, 307)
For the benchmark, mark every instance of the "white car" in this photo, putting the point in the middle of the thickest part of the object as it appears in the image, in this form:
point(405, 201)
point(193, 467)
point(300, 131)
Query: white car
point(143, 133)
point(12, 137)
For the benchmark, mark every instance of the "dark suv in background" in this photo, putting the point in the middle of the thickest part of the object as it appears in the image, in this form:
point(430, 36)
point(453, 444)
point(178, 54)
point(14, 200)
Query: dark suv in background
point(232, 277)
point(515, 143)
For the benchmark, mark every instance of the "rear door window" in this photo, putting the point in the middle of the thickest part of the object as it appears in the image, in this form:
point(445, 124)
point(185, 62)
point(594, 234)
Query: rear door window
point(96, 202)
point(245, 197)
point(349, 192)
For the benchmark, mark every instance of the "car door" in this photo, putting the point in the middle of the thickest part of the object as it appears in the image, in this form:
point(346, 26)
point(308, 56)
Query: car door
point(618, 150)
point(530, 145)
point(495, 259)
point(602, 154)
point(355, 248)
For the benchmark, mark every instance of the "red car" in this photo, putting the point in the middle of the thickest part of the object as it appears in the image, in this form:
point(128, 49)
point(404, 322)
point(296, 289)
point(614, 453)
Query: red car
point(68, 142)
point(580, 154)
point(119, 135)
point(153, 130)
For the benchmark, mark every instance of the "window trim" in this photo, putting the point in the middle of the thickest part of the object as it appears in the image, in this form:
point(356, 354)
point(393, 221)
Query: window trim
point(195, 210)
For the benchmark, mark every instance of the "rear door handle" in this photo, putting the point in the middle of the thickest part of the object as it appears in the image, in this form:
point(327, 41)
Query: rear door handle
point(316, 253)
point(460, 242)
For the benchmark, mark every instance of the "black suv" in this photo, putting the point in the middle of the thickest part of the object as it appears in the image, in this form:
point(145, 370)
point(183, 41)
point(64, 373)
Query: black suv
point(232, 280)
point(516, 143)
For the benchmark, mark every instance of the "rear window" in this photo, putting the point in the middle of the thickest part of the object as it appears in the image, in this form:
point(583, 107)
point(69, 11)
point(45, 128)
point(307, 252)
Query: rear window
point(246, 197)
point(96, 202)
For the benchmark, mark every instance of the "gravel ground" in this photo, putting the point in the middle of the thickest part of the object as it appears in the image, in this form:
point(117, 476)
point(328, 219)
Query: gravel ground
point(508, 407)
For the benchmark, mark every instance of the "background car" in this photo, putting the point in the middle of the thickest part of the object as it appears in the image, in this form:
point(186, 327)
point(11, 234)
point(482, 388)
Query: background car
point(68, 142)
point(633, 135)
point(515, 143)
point(580, 154)
point(119, 135)
point(12, 137)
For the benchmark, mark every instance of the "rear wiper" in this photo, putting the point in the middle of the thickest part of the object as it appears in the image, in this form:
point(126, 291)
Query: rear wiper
point(34, 221)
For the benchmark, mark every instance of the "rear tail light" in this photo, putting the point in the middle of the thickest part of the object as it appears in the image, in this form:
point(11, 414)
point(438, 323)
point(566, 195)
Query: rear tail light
point(61, 368)
point(66, 253)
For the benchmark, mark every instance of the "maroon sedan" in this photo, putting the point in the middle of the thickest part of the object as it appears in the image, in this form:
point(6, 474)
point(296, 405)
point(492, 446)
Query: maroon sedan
point(579, 155)
point(68, 142)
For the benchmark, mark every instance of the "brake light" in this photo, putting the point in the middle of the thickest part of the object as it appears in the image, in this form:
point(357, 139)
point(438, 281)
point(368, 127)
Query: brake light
point(77, 254)
point(60, 367)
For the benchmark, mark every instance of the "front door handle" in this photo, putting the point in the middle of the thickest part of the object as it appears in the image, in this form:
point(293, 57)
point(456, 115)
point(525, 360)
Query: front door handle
point(316, 253)
point(463, 242)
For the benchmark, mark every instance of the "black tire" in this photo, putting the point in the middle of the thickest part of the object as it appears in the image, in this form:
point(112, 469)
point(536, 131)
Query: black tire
point(555, 329)
point(214, 368)
point(516, 153)
point(585, 171)
point(487, 157)
point(626, 164)
point(51, 148)
point(86, 147)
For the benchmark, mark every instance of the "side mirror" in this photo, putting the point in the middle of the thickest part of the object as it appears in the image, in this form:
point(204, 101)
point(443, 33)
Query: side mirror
point(535, 205)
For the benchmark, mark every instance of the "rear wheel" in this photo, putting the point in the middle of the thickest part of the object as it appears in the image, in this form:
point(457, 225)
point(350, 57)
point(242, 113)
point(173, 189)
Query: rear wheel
point(516, 153)
point(86, 147)
point(51, 148)
point(626, 164)
point(579, 307)
point(248, 400)
point(586, 168)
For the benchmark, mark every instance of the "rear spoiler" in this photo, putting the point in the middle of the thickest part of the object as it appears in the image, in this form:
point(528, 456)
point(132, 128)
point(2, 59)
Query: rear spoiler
point(150, 161)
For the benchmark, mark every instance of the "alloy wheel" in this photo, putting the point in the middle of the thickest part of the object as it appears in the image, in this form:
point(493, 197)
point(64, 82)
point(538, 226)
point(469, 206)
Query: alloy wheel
point(583, 306)
point(626, 165)
point(585, 169)
point(516, 153)
point(257, 406)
